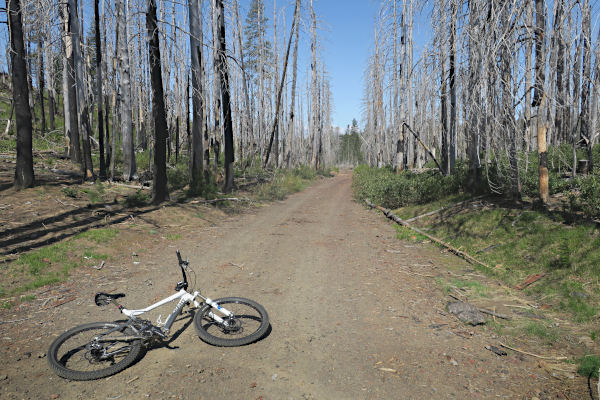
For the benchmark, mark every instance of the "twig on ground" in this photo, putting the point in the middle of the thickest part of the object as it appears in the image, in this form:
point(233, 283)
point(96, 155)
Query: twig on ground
point(64, 204)
point(455, 297)
point(483, 310)
point(531, 354)
point(16, 320)
point(511, 305)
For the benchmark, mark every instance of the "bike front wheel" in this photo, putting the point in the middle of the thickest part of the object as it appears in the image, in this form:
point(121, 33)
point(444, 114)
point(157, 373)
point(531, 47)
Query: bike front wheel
point(76, 355)
point(249, 323)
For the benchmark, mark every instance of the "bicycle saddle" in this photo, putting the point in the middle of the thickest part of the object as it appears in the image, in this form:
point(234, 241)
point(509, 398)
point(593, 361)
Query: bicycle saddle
point(102, 299)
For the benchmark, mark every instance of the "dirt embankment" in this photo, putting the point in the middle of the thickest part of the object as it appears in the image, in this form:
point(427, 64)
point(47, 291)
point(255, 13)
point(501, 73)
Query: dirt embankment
point(355, 314)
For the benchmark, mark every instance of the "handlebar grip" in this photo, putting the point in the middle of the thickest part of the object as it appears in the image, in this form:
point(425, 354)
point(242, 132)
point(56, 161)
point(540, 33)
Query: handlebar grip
point(179, 257)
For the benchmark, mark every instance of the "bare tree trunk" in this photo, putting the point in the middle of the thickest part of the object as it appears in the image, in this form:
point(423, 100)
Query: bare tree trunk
point(65, 78)
point(247, 108)
point(160, 191)
point(99, 90)
point(280, 90)
point(313, 88)
point(84, 120)
point(539, 97)
point(453, 133)
point(41, 83)
point(51, 83)
point(225, 96)
point(291, 122)
point(585, 90)
point(129, 165)
point(473, 97)
point(196, 159)
point(216, 144)
point(74, 145)
point(24, 177)
point(595, 95)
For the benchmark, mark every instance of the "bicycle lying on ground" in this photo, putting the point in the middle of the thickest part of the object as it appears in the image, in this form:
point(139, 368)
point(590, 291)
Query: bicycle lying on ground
point(100, 349)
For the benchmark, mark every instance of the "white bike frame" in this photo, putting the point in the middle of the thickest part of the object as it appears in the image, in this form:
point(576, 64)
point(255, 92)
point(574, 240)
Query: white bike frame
point(185, 299)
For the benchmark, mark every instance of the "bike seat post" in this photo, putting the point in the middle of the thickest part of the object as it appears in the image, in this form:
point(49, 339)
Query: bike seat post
point(120, 307)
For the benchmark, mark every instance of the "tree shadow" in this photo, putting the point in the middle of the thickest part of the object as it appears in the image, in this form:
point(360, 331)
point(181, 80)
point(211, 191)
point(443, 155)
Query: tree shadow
point(24, 233)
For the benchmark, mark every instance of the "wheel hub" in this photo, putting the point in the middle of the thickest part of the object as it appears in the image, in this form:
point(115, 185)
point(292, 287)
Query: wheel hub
point(233, 325)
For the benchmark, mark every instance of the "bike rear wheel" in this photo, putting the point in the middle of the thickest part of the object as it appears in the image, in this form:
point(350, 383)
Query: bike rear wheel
point(75, 355)
point(250, 323)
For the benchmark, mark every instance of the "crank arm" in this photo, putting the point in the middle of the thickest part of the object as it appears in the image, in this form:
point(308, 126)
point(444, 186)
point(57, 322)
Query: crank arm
point(108, 355)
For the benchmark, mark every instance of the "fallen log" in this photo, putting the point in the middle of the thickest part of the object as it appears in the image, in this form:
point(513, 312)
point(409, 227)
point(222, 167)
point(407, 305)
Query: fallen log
point(444, 208)
point(398, 220)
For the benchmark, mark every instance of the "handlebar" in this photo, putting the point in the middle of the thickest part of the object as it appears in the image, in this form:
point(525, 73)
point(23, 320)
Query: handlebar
point(183, 265)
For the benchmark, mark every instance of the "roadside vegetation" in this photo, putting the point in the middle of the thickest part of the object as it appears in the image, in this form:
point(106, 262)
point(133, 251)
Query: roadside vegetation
point(514, 238)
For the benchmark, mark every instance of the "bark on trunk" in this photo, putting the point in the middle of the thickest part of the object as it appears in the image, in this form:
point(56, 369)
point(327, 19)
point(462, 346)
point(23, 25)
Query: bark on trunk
point(160, 191)
point(539, 99)
point(41, 81)
point(24, 177)
point(225, 96)
point(129, 165)
point(291, 122)
point(99, 90)
point(84, 120)
point(196, 159)
point(74, 145)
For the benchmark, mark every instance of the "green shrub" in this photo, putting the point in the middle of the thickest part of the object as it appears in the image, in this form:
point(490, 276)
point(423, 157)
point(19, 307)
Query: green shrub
point(178, 176)
point(393, 191)
point(589, 366)
point(280, 187)
point(69, 192)
point(590, 195)
point(305, 172)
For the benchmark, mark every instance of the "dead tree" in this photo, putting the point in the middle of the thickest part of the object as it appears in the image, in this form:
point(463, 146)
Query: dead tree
point(24, 177)
point(129, 165)
point(160, 191)
point(196, 160)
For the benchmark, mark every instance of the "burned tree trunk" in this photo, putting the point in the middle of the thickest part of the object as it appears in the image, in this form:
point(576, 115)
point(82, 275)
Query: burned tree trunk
point(99, 89)
point(225, 97)
point(24, 177)
point(160, 191)
point(196, 159)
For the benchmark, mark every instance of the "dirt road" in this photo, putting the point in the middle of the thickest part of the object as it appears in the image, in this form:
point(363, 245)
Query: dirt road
point(347, 321)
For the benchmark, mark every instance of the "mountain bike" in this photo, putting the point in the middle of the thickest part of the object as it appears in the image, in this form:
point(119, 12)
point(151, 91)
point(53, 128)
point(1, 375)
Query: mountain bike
point(100, 349)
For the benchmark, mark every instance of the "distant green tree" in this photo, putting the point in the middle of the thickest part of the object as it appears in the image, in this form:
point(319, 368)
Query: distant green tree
point(255, 31)
point(350, 151)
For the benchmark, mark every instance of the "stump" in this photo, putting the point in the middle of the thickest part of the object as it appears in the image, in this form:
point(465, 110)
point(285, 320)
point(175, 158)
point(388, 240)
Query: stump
point(582, 167)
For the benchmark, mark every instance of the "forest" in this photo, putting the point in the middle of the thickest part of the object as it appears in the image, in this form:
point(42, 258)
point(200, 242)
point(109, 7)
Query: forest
point(128, 90)
point(131, 90)
point(507, 88)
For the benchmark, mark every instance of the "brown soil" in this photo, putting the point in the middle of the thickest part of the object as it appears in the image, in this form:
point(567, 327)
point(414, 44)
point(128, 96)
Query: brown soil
point(355, 313)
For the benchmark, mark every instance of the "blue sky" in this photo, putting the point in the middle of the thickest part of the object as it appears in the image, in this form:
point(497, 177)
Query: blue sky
point(350, 35)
